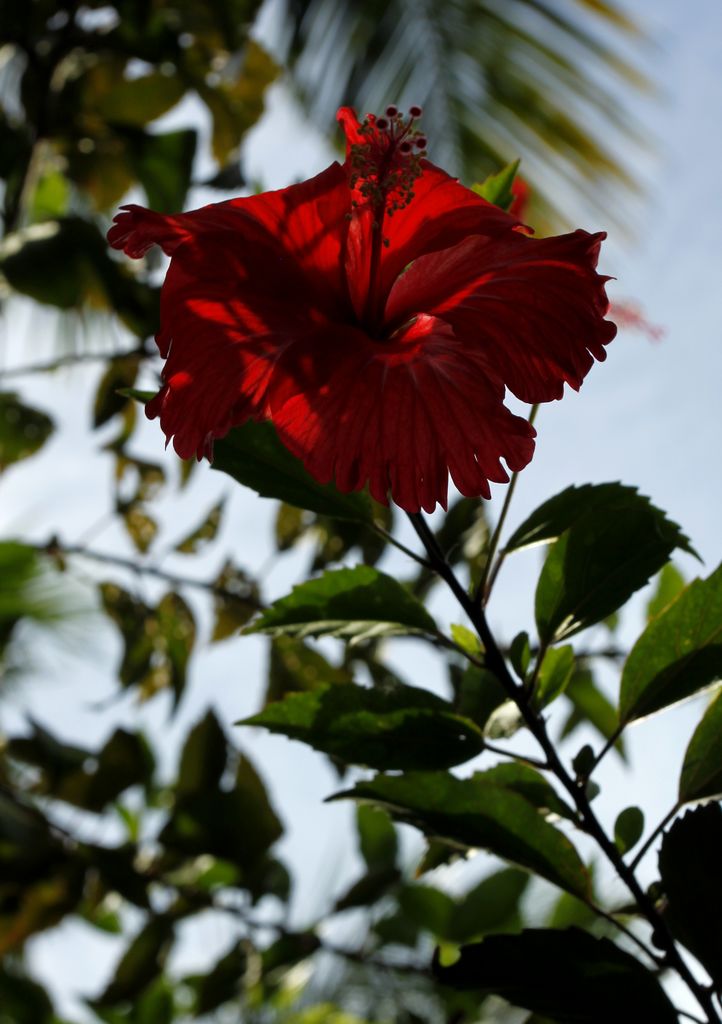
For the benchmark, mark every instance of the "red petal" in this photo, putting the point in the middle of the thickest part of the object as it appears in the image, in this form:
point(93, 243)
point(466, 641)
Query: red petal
point(533, 309)
point(400, 417)
point(304, 226)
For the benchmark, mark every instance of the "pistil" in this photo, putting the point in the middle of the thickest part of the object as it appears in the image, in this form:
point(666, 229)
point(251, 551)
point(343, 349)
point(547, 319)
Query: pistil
point(384, 167)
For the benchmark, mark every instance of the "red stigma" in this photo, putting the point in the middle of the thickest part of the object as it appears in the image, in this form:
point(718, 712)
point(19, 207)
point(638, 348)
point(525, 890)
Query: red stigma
point(415, 111)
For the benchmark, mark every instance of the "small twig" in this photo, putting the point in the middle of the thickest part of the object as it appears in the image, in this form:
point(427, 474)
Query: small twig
point(72, 360)
point(488, 576)
point(542, 766)
point(652, 836)
point(389, 537)
point(657, 960)
point(606, 748)
point(54, 548)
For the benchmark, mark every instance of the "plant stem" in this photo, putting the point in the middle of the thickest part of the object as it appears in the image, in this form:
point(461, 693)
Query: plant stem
point(54, 548)
point(652, 836)
point(72, 360)
point(489, 574)
point(577, 790)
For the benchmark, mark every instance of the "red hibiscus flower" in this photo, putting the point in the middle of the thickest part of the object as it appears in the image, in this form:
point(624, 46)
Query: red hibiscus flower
point(376, 314)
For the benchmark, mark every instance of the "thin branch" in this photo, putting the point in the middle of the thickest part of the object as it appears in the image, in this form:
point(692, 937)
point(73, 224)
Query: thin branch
point(389, 537)
point(652, 836)
point(542, 766)
point(656, 960)
point(611, 740)
point(72, 360)
point(489, 574)
point(55, 548)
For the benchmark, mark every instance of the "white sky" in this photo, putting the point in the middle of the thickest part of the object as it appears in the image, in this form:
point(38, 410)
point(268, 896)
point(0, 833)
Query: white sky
point(650, 416)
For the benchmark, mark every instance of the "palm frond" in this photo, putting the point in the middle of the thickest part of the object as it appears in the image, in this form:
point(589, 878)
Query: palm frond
point(497, 79)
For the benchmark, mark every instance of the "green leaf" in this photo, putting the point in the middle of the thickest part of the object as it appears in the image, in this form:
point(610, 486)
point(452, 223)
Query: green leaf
point(569, 975)
point(590, 705)
point(532, 785)
point(253, 455)
point(235, 601)
point(178, 632)
point(465, 639)
point(202, 534)
point(678, 654)
point(427, 908)
point(111, 395)
point(23, 1000)
point(222, 983)
point(689, 863)
point(491, 906)
point(520, 654)
point(378, 843)
point(548, 522)
point(610, 551)
point(140, 964)
point(477, 812)
point(669, 583)
point(628, 828)
point(163, 164)
point(555, 674)
point(496, 188)
point(702, 768)
point(294, 667)
point(359, 603)
point(137, 101)
point(51, 197)
point(399, 728)
point(23, 430)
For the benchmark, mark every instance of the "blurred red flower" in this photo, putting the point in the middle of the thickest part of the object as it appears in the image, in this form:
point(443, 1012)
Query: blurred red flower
point(375, 313)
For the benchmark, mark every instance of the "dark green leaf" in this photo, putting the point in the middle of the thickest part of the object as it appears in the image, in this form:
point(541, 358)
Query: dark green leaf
point(491, 906)
point(628, 828)
point(136, 101)
point(369, 889)
point(23, 430)
point(530, 784)
point(111, 395)
point(689, 863)
point(235, 601)
point(177, 634)
point(477, 812)
point(590, 705)
point(22, 1000)
point(400, 728)
point(702, 768)
point(163, 165)
point(140, 964)
point(222, 983)
point(294, 667)
point(359, 603)
point(548, 522)
point(253, 455)
point(427, 908)
point(496, 188)
point(202, 534)
point(678, 654)
point(555, 673)
point(569, 975)
point(204, 756)
point(377, 837)
point(478, 694)
point(610, 551)
point(520, 654)
point(669, 583)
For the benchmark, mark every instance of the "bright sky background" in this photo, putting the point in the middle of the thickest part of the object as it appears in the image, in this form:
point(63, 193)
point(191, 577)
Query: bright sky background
point(650, 416)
